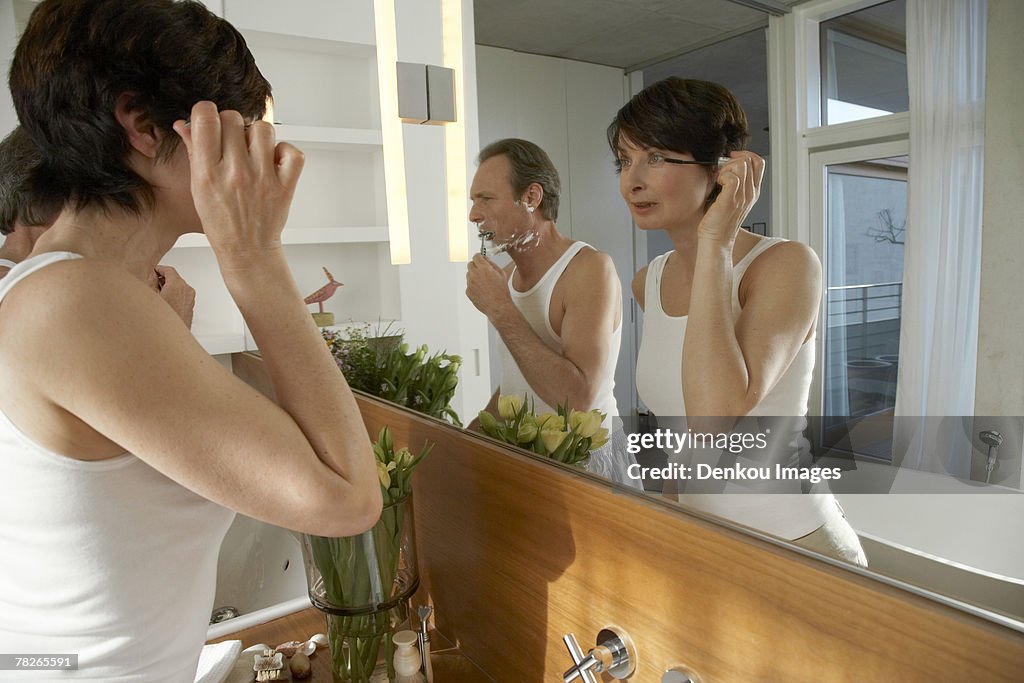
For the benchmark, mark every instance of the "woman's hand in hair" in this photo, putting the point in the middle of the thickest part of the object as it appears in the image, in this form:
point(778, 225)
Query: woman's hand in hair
point(242, 182)
point(173, 289)
point(740, 180)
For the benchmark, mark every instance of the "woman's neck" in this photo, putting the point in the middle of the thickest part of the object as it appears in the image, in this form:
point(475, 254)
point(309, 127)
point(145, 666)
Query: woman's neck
point(135, 241)
point(684, 239)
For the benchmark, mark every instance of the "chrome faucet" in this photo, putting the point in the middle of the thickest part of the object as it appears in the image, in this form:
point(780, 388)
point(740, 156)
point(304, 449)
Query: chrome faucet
point(614, 653)
point(581, 665)
point(993, 440)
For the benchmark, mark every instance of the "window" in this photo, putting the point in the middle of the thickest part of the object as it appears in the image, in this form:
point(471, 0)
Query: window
point(865, 223)
point(846, 143)
point(864, 64)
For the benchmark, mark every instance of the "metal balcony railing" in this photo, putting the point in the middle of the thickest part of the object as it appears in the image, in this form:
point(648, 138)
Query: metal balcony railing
point(870, 313)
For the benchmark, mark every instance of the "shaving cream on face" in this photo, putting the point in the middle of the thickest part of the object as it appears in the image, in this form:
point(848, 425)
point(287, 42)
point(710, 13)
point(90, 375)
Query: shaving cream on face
point(528, 239)
point(521, 242)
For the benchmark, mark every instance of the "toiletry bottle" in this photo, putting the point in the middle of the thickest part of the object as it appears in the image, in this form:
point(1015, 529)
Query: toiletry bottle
point(407, 658)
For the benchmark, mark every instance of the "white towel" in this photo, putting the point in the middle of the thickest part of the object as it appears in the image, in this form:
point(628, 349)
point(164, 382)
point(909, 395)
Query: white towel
point(216, 661)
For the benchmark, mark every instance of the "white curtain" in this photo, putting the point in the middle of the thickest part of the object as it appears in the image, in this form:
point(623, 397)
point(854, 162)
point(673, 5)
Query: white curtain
point(942, 265)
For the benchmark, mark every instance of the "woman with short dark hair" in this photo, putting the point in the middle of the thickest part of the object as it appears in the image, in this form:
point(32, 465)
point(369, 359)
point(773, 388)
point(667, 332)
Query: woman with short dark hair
point(127, 445)
point(729, 317)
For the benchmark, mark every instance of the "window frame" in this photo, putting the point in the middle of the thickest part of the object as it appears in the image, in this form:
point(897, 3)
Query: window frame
point(802, 147)
point(819, 161)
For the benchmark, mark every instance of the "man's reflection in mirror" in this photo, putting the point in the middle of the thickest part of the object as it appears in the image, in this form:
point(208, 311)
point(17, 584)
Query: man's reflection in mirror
point(557, 305)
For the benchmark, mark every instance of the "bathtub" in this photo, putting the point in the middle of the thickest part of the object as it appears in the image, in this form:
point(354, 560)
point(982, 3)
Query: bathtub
point(963, 544)
point(260, 574)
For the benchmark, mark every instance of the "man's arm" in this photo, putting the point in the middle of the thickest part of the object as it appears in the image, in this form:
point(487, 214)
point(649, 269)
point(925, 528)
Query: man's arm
point(592, 299)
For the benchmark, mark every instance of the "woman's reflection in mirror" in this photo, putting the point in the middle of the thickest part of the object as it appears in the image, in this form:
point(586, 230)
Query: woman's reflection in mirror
point(729, 317)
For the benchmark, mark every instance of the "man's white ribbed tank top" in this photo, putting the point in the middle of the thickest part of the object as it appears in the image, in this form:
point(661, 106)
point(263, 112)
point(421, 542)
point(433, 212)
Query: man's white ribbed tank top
point(534, 304)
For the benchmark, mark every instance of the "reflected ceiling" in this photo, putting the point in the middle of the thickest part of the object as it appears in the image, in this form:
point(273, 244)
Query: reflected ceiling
point(621, 33)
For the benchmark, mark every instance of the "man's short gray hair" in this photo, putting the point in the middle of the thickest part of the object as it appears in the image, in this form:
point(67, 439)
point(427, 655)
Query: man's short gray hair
point(528, 164)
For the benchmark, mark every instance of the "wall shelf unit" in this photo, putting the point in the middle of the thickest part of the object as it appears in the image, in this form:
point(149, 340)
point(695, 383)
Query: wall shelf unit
point(351, 235)
point(320, 59)
point(331, 139)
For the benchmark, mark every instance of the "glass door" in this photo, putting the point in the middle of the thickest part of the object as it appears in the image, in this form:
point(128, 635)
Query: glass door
point(859, 198)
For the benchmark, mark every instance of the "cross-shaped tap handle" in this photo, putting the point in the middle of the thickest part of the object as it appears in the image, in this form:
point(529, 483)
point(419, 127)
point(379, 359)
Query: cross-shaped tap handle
point(582, 664)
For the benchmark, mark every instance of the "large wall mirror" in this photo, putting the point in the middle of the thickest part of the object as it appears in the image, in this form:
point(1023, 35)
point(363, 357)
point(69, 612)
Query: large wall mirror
point(556, 73)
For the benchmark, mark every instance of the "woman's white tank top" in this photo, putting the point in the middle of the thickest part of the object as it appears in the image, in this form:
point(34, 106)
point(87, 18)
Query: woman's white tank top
point(109, 560)
point(661, 351)
point(659, 372)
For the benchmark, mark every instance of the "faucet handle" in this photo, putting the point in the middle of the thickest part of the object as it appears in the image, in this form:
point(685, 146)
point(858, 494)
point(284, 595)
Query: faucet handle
point(582, 665)
point(614, 654)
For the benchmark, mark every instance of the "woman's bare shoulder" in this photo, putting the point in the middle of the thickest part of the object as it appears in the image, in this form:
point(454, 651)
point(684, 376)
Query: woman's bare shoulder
point(788, 269)
point(82, 311)
point(786, 259)
point(65, 292)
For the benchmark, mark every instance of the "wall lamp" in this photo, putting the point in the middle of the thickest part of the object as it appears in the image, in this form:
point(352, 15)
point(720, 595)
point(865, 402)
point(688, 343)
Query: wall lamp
point(391, 132)
point(423, 93)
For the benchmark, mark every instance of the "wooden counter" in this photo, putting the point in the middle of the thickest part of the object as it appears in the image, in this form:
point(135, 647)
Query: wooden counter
point(515, 552)
point(448, 663)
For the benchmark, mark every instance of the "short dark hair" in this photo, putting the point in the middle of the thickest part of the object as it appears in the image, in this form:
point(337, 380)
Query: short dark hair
point(683, 115)
point(18, 158)
point(528, 164)
point(77, 57)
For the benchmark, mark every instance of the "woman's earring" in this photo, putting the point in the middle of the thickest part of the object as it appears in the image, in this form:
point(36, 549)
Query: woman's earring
point(529, 208)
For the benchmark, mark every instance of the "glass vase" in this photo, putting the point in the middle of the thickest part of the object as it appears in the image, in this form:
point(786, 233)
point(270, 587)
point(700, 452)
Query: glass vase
point(361, 647)
point(363, 583)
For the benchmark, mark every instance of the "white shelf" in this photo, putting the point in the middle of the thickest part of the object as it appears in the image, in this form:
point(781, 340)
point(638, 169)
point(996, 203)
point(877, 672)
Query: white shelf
point(284, 41)
point(327, 138)
point(392, 326)
point(337, 235)
point(216, 344)
point(374, 233)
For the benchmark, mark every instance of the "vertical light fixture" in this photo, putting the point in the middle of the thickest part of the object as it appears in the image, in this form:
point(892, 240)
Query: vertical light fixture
point(391, 131)
point(455, 134)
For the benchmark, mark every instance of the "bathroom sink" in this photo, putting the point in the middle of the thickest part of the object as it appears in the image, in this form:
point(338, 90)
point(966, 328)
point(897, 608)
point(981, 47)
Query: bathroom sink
point(260, 576)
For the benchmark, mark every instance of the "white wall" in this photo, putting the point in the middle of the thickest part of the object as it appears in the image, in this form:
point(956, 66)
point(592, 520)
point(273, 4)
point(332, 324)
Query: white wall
point(565, 107)
point(435, 310)
point(1000, 378)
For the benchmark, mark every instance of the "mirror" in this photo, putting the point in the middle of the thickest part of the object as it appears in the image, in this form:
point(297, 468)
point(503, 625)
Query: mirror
point(542, 79)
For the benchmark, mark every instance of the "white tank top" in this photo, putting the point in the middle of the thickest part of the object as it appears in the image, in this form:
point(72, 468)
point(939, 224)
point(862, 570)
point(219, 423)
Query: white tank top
point(534, 304)
point(110, 560)
point(659, 372)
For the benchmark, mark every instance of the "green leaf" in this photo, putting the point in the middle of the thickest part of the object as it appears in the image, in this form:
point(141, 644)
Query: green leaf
point(567, 445)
